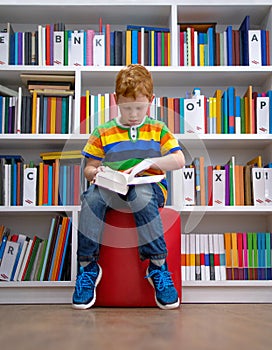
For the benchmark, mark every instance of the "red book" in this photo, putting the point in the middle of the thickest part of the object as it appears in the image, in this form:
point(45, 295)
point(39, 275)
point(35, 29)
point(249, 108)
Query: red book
point(176, 115)
point(210, 184)
point(240, 256)
point(83, 115)
point(108, 48)
point(181, 48)
point(47, 46)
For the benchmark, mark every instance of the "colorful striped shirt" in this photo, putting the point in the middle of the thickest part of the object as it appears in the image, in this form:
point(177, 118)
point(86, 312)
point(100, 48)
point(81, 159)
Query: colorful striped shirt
point(122, 147)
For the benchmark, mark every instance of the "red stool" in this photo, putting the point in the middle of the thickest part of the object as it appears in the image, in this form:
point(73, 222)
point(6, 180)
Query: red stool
point(123, 283)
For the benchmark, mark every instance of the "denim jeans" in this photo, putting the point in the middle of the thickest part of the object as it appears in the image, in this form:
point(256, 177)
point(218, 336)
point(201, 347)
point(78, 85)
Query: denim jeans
point(144, 202)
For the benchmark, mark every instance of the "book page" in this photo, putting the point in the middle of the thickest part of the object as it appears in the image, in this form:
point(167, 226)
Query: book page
point(145, 164)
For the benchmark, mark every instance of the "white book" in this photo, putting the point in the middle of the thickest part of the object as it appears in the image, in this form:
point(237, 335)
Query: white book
point(29, 187)
point(217, 275)
point(258, 188)
point(262, 115)
point(207, 258)
point(183, 257)
point(99, 50)
point(194, 115)
point(188, 186)
point(8, 260)
point(268, 186)
point(254, 48)
point(58, 48)
point(4, 49)
point(142, 45)
point(76, 52)
point(187, 256)
point(7, 193)
point(197, 258)
point(21, 239)
point(222, 257)
point(21, 259)
point(107, 107)
point(219, 185)
point(192, 252)
point(211, 253)
point(25, 260)
point(202, 256)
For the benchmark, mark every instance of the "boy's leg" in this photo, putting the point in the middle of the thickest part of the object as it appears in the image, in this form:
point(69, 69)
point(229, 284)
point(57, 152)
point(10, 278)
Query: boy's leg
point(95, 202)
point(144, 201)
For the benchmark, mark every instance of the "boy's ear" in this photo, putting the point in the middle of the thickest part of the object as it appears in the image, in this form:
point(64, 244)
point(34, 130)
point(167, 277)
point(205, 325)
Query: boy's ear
point(115, 97)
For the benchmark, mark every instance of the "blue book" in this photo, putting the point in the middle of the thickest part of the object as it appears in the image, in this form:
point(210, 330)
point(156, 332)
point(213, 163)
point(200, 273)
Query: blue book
point(243, 29)
point(134, 46)
point(263, 47)
point(268, 255)
point(147, 28)
point(231, 107)
point(237, 114)
point(45, 106)
point(47, 248)
point(63, 256)
point(269, 94)
point(229, 46)
point(181, 113)
point(261, 255)
point(211, 46)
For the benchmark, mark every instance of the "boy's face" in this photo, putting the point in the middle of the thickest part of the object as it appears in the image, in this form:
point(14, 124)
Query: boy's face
point(133, 110)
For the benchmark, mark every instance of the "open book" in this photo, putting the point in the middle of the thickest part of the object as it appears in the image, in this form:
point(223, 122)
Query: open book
point(118, 181)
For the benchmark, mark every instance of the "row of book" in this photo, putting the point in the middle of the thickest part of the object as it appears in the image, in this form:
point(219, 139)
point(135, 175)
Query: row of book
point(30, 258)
point(57, 181)
point(225, 112)
point(202, 45)
point(226, 256)
point(36, 114)
point(227, 184)
point(52, 44)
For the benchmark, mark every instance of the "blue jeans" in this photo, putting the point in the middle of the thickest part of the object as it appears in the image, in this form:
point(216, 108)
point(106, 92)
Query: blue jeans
point(144, 202)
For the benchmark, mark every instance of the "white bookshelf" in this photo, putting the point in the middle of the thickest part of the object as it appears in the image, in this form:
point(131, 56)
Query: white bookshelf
point(167, 81)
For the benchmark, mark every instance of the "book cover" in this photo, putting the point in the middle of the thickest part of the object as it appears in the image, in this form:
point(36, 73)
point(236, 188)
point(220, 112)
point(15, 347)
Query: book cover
point(8, 260)
point(219, 187)
point(268, 186)
point(99, 57)
point(194, 115)
point(262, 114)
point(254, 48)
point(188, 186)
point(29, 190)
point(258, 186)
point(119, 181)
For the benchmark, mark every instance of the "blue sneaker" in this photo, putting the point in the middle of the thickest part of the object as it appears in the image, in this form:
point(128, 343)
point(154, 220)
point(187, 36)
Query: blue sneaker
point(85, 290)
point(166, 295)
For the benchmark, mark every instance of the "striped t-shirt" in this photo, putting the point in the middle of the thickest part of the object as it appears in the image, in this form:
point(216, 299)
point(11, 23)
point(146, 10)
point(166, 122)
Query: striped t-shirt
point(121, 147)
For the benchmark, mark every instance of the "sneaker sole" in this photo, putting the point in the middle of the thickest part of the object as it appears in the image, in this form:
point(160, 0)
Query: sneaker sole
point(174, 305)
point(91, 303)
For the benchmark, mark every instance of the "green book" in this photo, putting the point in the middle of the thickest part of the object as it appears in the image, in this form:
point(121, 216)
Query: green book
point(32, 258)
point(39, 272)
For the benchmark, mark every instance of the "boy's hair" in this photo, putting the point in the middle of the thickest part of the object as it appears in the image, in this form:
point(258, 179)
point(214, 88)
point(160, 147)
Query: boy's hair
point(134, 80)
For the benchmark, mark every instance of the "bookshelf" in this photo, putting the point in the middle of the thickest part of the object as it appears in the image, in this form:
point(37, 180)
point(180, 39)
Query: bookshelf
point(167, 80)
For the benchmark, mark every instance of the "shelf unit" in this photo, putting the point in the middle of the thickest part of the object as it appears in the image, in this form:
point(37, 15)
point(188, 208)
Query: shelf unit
point(167, 81)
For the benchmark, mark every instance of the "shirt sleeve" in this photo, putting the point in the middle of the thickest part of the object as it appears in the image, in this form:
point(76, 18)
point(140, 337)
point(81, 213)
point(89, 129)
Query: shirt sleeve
point(169, 143)
point(94, 148)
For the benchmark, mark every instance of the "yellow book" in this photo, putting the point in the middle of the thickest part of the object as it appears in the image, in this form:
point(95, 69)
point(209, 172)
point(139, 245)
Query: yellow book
point(248, 110)
point(169, 48)
point(53, 115)
point(34, 112)
point(227, 239)
point(40, 199)
point(218, 96)
point(201, 54)
point(257, 162)
point(102, 109)
point(128, 47)
point(61, 155)
point(234, 248)
point(152, 51)
point(87, 111)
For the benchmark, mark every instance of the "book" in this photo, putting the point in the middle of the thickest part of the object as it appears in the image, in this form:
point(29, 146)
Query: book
point(188, 192)
point(118, 181)
point(254, 48)
point(29, 189)
point(8, 260)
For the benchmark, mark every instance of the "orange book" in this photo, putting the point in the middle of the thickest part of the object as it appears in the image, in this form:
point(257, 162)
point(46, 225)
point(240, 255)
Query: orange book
point(128, 47)
point(59, 248)
point(218, 97)
point(234, 248)
point(237, 185)
point(227, 239)
point(108, 48)
point(170, 110)
point(34, 112)
point(53, 115)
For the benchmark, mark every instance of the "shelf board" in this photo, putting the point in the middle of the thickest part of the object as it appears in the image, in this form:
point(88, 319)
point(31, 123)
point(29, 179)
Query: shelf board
point(227, 210)
point(38, 209)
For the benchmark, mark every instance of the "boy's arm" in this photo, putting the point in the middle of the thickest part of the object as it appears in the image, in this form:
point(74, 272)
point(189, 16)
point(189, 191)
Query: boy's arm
point(92, 167)
point(172, 161)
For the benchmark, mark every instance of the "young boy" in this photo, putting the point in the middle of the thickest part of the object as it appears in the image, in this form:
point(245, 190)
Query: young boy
point(121, 144)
